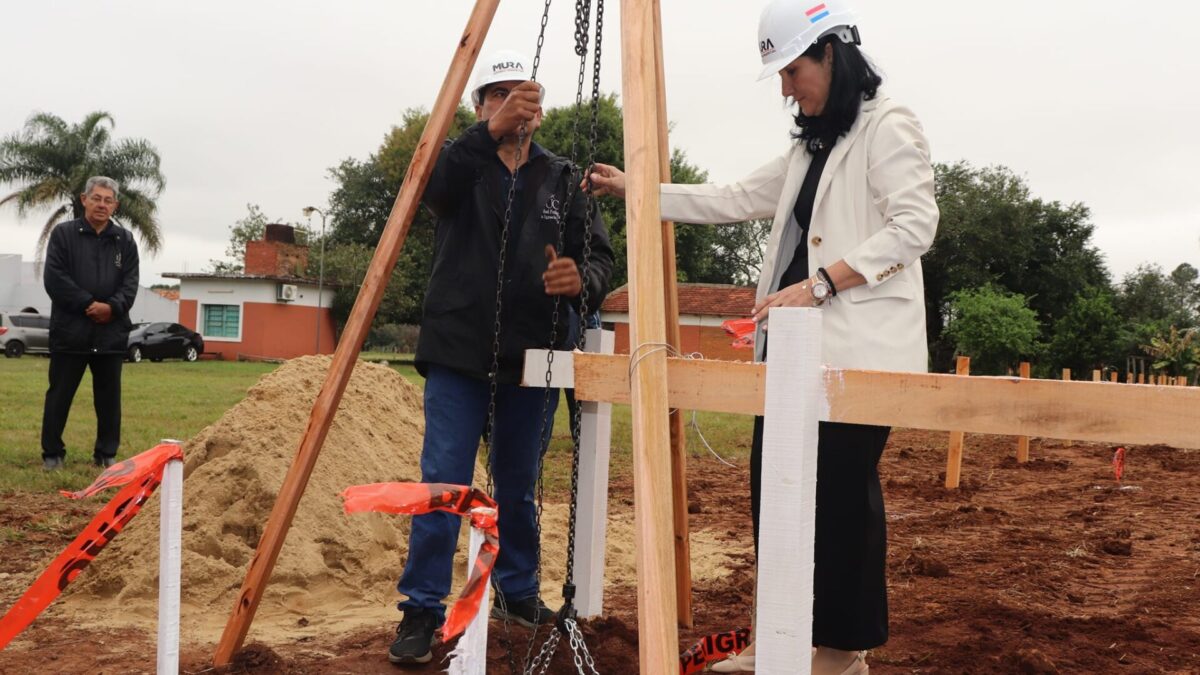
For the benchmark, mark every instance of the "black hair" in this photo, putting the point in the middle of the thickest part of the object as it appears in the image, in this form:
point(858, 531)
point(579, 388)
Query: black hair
point(854, 81)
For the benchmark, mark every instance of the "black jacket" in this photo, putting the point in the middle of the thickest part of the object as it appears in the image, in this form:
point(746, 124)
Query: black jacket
point(465, 193)
point(84, 267)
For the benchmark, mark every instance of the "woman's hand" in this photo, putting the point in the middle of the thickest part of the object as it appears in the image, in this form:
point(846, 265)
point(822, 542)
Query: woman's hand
point(796, 295)
point(606, 180)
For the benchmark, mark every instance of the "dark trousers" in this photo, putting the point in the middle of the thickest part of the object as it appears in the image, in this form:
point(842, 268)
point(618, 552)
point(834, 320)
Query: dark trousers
point(66, 370)
point(849, 586)
point(456, 410)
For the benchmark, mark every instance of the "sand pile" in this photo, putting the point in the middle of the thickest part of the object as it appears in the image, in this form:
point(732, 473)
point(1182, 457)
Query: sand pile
point(335, 572)
point(331, 563)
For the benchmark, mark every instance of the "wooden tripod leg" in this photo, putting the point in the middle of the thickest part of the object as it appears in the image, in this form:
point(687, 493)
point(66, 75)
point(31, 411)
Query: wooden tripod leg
point(679, 492)
point(357, 326)
point(658, 643)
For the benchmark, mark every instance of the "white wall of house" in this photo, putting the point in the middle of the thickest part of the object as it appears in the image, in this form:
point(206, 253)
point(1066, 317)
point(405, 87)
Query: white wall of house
point(240, 291)
point(21, 287)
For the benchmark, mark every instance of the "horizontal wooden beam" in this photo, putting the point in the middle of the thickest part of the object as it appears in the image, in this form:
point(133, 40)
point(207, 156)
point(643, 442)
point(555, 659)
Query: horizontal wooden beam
point(1083, 411)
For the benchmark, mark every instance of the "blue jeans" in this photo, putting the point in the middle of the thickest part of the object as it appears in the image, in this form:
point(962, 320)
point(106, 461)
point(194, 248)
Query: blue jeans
point(455, 417)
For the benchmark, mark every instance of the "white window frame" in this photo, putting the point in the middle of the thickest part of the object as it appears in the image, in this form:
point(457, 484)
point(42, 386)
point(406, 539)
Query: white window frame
point(214, 338)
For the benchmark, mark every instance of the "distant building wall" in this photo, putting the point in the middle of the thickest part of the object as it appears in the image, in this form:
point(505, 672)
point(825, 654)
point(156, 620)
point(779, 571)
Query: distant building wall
point(266, 327)
point(702, 334)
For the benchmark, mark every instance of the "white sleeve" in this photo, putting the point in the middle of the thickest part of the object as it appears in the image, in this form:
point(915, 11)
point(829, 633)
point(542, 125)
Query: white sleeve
point(755, 196)
point(901, 180)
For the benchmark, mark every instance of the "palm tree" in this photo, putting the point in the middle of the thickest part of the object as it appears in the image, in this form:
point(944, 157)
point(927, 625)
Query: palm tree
point(49, 161)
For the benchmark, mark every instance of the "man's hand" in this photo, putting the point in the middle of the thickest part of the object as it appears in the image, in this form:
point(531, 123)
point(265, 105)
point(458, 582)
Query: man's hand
point(100, 312)
point(520, 108)
point(561, 276)
point(606, 180)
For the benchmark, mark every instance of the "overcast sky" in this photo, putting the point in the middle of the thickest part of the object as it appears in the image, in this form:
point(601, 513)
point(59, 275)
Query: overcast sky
point(1094, 101)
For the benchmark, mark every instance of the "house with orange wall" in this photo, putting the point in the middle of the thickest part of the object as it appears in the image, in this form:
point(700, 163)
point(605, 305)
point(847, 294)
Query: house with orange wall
point(269, 311)
point(702, 310)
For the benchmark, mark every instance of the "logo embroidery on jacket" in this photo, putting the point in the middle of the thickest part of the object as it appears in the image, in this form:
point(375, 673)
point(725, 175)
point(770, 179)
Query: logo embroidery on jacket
point(552, 210)
point(117, 260)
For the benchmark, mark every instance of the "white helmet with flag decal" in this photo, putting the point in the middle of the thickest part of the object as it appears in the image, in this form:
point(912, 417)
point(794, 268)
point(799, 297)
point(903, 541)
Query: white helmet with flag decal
point(788, 28)
point(505, 65)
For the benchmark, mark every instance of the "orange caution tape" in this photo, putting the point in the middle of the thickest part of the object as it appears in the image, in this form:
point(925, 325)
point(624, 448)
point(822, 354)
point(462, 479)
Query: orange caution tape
point(140, 475)
point(712, 648)
point(742, 332)
point(419, 498)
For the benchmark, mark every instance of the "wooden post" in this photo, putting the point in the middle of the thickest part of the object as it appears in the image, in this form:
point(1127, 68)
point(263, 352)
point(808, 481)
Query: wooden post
point(1066, 376)
point(794, 404)
point(1023, 441)
point(1097, 376)
point(1181, 381)
point(679, 492)
point(1141, 378)
point(1129, 377)
point(1112, 377)
point(326, 404)
point(954, 458)
point(658, 643)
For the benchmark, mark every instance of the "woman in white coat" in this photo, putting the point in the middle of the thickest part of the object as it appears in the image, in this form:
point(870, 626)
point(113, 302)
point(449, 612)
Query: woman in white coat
point(853, 207)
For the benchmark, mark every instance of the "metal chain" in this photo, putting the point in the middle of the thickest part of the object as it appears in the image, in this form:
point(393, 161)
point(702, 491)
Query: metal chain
point(493, 383)
point(567, 613)
point(582, 8)
point(580, 651)
point(584, 300)
point(541, 663)
point(582, 21)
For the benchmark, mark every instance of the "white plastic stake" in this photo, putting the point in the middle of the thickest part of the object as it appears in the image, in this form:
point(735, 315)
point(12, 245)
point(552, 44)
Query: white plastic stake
point(170, 561)
point(595, 440)
point(470, 655)
point(795, 401)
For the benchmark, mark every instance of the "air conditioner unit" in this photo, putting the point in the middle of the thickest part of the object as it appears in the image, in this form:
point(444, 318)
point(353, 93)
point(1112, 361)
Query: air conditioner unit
point(287, 293)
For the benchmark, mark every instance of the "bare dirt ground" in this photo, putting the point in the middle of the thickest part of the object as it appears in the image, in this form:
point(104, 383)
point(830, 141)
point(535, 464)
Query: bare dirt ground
point(1044, 567)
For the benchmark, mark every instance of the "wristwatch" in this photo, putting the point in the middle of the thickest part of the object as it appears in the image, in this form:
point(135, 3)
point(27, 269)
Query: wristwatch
point(820, 291)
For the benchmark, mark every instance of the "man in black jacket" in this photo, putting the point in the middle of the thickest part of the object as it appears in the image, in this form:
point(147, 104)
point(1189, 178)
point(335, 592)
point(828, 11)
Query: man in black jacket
point(469, 192)
point(91, 274)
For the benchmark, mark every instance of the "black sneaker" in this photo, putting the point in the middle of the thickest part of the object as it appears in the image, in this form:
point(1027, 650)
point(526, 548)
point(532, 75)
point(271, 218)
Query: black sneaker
point(52, 463)
point(414, 637)
point(527, 612)
point(104, 462)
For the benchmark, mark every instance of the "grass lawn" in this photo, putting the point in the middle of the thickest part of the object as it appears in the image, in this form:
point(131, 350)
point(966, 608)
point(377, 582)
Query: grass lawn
point(174, 399)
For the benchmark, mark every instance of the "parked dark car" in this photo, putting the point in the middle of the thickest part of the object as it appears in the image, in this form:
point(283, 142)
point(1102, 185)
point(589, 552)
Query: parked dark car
point(158, 341)
point(22, 333)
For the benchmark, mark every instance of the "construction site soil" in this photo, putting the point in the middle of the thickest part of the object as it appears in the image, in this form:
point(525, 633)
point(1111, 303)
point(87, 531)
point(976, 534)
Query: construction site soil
point(1045, 567)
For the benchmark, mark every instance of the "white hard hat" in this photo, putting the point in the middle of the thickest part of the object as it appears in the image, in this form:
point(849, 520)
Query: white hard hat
point(505, 65)
point(788, 28)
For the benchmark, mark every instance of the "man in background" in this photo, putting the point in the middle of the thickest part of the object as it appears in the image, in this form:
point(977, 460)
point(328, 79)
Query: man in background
point(91, 275)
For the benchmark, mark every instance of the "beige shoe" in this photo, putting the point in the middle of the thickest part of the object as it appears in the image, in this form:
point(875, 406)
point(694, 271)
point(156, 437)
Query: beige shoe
point(736, 663)
point(858, 666)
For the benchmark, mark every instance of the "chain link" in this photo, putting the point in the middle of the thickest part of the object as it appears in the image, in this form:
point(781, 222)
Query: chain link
point(545, 656)
point(580, 651)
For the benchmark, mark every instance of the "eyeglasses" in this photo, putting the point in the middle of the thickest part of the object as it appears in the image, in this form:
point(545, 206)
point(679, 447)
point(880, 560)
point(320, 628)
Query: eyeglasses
point(97, 199)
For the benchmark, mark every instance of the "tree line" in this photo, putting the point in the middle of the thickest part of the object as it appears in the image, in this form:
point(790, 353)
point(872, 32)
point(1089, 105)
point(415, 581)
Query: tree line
point(1010, 277)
